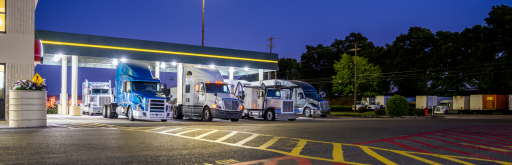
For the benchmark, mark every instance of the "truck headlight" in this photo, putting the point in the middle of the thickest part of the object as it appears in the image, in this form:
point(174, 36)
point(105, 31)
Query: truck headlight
point(241, 107)
point(216, 106)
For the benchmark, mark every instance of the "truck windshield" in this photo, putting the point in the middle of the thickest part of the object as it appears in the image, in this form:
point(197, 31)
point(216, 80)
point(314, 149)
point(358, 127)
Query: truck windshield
point(145, 86)
point(443, 104)
point(99, 91)
point(311, 94)
point(373, 103)
point(219, 88)
point(273, 93)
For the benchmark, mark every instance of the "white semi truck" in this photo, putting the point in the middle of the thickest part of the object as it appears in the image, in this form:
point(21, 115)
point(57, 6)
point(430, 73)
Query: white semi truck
point(305, 97)
point(445, 107)
point(269, 102)
point(94, 96)
point(205, 96)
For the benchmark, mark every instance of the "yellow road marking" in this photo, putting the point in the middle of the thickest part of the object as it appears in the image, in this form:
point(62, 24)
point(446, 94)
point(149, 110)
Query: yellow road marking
point(269, 143)
point(486, 147)
point(205, 134)
point(227, 136)
point(417, 158)
point(376, 156)
point(298, 147)
point(337, 152)
point(247, 139)
point(456, 160)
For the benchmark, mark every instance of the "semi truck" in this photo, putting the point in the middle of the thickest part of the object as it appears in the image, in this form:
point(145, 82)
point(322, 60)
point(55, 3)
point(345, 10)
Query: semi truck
point(138, 95)
point(445, 107)
point(305, 97)
point(430, 102)
point(269, 102)
point(205, 96)
point(94, 96)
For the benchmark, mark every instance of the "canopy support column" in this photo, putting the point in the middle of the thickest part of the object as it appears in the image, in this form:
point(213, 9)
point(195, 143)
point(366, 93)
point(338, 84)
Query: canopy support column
point(179, 87)
point(260, 74)
point(231, 72)
point(74, 110)
point(157, 69)
point(63, 107)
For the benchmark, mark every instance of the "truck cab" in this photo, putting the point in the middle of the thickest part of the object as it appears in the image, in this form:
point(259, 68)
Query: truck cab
point(138, 95)
point(206, 96)
point(445, 106)
point(374, 105)
point(359, 104)
point(269, 102)
point(94, 96)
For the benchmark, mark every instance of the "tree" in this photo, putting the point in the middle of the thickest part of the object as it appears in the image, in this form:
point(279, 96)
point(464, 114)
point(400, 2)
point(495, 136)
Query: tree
point(289, 69)
point(317, 65)
point(367, 73)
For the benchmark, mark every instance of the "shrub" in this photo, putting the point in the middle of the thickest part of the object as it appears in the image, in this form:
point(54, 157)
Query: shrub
point(412, 111)
point(361, 110)
point(420, 112)
point(340, 108)
point(380, 111)
point(397, 106)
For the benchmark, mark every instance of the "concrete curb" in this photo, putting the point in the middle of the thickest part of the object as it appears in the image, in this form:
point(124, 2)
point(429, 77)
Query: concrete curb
point(402, 117)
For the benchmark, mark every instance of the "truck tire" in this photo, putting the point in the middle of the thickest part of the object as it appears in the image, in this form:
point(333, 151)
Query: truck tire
point(163, 120)
point(176, 113)
point(235, 120)
point(307, 112)
point(291, 119)
point(109, 113)
point(207, 114)
point(270, 115)
point(130, 115)
point(104, 111)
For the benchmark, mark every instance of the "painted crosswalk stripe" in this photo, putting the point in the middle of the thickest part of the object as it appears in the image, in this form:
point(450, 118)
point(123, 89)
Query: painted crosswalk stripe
point(298, 147)
point(227, 136)
point(247, 139)
point(417, 158)
point(376, 156)
point(337, 153)
point(184, 132)
point(205, 134)
point(269, 143)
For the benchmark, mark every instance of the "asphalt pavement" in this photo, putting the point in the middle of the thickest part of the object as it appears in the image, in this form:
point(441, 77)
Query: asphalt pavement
point(332, 140)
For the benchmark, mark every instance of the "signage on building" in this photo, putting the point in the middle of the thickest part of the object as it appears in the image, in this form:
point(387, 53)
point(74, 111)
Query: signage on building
point(2, 15)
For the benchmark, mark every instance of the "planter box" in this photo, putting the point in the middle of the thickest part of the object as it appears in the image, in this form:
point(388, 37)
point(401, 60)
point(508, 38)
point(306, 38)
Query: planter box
point(27, 108)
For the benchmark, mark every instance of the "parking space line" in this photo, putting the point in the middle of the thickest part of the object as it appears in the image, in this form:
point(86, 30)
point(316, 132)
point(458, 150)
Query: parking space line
point(298, 147)
point(456, 160)
point(474, 138)
point(269, 143)
point(247, 139)
point(468, 141)
point(184, 132)
point(468, 134)
point(337, 152)
point(165, 132)
point(469, 147)
point(377, 156)
point(417, 158)
point(407, 147)
point(205, 134)
point(227, 136)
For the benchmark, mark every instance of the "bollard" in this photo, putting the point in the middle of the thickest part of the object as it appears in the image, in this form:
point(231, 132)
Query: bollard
point(426, 111)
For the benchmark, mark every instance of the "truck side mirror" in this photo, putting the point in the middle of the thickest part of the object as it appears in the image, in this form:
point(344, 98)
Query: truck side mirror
point(215, 94)
point(165, 91)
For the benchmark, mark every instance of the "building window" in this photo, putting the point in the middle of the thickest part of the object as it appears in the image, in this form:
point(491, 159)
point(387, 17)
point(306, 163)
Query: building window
point(2, 15)
point(2, 81)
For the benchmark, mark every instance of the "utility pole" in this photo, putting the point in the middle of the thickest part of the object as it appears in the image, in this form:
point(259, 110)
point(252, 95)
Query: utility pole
point(172, 80)
point(355, 74)
point(203, 25)
point(271, 44)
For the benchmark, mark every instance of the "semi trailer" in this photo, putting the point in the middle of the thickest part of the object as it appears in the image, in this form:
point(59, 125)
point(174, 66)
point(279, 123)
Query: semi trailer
point(305, 97)
point(205, 96)
point(461, 104)
point(430, 102)
point(95, 95)
point(491, 103)
point(268, 102)
point(138, 95)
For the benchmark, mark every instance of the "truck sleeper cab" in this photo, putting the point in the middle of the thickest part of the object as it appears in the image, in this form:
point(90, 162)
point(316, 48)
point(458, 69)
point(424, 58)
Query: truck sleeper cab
point(270, 103)
point(138, 95)
point(206, 96)
point(445, 106)
point(94, 96)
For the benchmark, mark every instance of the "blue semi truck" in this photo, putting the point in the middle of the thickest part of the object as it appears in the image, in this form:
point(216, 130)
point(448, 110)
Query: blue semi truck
point(138, 95)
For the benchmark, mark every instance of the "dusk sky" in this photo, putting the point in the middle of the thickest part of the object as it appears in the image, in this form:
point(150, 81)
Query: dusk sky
point(245, 25)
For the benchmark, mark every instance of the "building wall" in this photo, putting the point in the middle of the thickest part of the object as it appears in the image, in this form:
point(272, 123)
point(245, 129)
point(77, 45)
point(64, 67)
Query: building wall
point(17, 43)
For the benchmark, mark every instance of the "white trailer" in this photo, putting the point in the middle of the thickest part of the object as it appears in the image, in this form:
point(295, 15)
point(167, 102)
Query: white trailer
point(460, 103)
point(430, 102)
point(476, 102)
point(381, 100)
point(94, 96)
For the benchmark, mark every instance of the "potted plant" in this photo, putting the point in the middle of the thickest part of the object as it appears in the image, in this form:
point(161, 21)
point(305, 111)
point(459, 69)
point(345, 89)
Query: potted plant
point(27, 104)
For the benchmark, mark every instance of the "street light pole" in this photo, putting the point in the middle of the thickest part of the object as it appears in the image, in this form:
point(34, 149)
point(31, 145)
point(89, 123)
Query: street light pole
point(203, 25)
point(355, 74)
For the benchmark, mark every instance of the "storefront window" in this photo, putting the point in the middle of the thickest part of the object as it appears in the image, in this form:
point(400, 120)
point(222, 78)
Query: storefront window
point(2, 81)
point(2, 6)
point(2, 15)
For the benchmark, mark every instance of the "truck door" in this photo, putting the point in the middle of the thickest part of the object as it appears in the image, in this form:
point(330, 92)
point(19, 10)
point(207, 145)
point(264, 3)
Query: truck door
point(301, 99)
point(187, 106)
point(200, 99)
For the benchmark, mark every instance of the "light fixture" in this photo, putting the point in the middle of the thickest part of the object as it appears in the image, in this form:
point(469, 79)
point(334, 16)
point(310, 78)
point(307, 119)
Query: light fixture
point(123, 59)
point(57, 57)
point(115, 62)
point(162, 65)
point(212, 66)
point(173, 63)
point(246, 69)
point(198, 66)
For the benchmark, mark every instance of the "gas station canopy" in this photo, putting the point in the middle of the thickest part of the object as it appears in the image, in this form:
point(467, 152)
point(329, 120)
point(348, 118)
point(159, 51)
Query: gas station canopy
point(104, 52)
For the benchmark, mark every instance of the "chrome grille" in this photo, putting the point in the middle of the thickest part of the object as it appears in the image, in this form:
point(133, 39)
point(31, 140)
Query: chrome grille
point(288, 106)
point(324, 105)
point(156, 105)
point(104, 100)
point(231, 104)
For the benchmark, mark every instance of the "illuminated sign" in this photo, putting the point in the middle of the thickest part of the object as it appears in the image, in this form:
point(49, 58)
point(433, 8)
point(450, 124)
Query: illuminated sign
point(2, 15)
point(2, 6)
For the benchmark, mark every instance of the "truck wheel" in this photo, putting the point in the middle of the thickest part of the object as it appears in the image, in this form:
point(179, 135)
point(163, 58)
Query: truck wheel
point(323, 115)
point(176, 114)
point(207, 114)
point(270, 115)
point(130, 115)
point(164, 120)
point(307, 112)
point(291, 119)
point(104, 111)
point(234, 120)
point(91, 114)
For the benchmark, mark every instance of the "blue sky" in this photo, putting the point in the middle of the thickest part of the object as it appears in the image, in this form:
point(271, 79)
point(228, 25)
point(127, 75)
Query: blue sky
point(244, 24)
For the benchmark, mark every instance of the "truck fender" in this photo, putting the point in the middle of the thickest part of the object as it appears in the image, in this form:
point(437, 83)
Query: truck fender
point(113, 107)
point(311, 106)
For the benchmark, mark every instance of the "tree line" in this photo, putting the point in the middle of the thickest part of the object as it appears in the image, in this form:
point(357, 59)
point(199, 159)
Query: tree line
point(418, 62)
